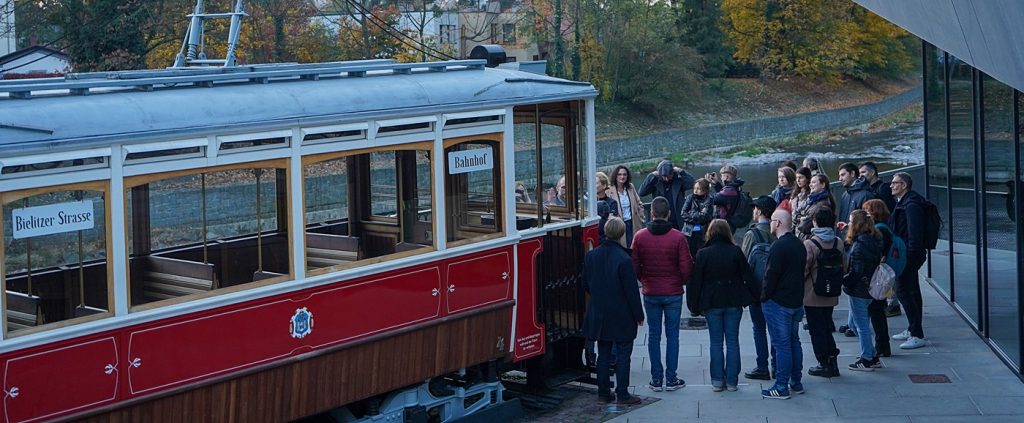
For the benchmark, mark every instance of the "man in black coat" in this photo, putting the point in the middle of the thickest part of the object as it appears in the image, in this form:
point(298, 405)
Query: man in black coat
point(908, 221)
point(783, 305)
point(669, 182)
point(614, 311)
point(858, 190)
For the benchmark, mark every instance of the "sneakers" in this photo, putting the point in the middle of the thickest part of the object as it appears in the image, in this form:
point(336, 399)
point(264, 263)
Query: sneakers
point(775, 393)
point(902, 336)
point(673, 385)
point(850, 333)
point(655, 386)
point(631, 400)
point(731, 388)
point(843, 328)
point(862, 365)
point(913, 342)
point(893, 310)
point(797, 388)
point(758, 374)
point(717, 388)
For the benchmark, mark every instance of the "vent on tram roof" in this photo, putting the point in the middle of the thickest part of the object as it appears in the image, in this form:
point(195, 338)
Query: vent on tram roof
point(168, 150)
point(335, 135)
point(53, 163)
point(249, 142)
point(419, 124)
point(475, 118)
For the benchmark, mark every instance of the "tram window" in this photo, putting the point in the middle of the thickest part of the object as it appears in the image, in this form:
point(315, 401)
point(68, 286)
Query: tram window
point(473, 189)
point(196, 233)
point(367, 205)
point(477, 120)
point(411, 127)
point(549, 177)
point(55, 256)
point(336, 135)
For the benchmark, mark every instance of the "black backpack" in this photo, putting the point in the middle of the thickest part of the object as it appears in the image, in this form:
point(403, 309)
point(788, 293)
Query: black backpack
point(932, 225)
point(758, 260)
point(829, 278)
point(744, 211)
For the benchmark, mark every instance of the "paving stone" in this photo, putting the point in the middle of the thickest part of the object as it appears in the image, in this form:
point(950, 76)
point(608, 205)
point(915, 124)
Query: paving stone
point(877, 405)
point(799, 406)
point(999, 405)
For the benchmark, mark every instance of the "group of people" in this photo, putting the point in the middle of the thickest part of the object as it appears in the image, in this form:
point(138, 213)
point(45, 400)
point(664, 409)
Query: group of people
point(789, 262)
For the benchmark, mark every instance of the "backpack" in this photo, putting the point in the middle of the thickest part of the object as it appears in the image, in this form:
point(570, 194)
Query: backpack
point(882, 280)
point(758, 259)
point(828, 280)
point(896, 257)
point(932, 225)
point(744, 211)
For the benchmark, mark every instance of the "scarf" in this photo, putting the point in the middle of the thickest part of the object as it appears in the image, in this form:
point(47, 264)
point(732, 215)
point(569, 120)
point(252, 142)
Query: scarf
point(825, 234)
point(815, 197)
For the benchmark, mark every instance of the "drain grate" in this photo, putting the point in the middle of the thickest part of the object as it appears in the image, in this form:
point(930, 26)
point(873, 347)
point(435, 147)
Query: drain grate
point(929, 379)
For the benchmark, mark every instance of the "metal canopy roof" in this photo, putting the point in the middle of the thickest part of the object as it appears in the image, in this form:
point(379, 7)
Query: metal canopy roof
point(87, 110)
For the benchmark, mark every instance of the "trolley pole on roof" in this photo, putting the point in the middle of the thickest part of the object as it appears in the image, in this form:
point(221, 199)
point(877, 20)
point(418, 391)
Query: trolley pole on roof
point(193, 48)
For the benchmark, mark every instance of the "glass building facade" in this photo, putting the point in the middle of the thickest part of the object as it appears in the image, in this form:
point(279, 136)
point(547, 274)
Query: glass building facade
point(975, 174)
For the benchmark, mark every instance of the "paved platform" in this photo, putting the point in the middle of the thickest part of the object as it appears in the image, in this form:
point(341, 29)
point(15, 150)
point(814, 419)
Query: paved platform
point(981, 388)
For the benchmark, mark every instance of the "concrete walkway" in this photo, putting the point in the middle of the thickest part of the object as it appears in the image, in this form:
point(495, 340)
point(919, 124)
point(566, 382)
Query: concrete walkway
point(982, 388)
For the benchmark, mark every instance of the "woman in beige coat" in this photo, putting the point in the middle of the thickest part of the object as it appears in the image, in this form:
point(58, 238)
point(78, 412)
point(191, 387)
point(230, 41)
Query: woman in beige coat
point(818, 308)
point(631, 210)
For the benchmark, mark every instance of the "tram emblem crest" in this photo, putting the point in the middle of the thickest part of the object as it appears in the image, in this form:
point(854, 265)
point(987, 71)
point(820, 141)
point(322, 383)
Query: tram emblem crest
point(301, 323)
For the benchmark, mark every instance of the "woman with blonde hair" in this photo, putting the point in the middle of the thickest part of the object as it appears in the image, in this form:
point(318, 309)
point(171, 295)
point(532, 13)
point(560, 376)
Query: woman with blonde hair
point(865, 254)
point(722, 285)
point(782, 192)
point(606, 205)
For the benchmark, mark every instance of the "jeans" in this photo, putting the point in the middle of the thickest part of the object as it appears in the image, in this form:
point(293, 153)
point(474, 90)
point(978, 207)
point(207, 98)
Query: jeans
point(908, 290)
point(604, 358)
point(629, 232)
point(667, 310)
point(760, 335)
point(859, 311)
point(784, 328)
point(879, 323)
point(724, 325)
point(821, 338)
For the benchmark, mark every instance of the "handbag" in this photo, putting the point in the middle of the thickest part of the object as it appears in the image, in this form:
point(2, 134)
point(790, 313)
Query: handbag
point(882, 281)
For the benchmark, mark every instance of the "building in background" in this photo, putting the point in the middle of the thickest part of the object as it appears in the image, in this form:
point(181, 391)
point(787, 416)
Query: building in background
point(973, 62)
point(35, 61)
point(8, 39)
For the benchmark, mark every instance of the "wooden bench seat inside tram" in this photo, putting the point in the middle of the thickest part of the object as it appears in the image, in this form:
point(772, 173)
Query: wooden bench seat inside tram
point(164, 278)
point(327, 250)
point(22, 311)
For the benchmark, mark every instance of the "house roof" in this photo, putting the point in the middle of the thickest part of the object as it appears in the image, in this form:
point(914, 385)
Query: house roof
point(10, 57)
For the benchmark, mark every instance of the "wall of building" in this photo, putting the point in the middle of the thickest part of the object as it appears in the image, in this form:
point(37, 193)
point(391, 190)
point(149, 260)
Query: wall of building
point(49, 64)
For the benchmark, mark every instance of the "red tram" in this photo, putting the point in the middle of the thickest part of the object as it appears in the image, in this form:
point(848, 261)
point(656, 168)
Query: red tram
point(264, 243)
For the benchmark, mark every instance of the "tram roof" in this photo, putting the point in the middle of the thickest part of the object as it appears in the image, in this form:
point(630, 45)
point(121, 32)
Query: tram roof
point(116, 110)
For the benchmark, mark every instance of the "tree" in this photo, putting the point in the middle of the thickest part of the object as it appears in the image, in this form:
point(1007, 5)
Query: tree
point(104, 34)
point(698, 23)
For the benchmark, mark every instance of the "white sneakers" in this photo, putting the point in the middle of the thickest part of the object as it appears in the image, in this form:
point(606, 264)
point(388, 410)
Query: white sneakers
point(902, 336)
point(913, 342)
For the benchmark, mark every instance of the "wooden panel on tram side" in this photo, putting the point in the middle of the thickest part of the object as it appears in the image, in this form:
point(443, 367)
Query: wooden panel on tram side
point(335, 378)
point(479, 280)
point(46, 383)
point(190, 350)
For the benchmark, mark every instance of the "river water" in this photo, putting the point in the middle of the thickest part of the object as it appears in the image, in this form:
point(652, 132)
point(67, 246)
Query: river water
point(889, 149)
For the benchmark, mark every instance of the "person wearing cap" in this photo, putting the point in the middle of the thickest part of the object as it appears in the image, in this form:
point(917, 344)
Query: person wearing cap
point(759, 232)
point(670, 182)
point(728, 193)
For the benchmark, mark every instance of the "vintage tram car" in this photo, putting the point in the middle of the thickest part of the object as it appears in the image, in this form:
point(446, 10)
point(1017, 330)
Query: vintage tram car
point(264, 243)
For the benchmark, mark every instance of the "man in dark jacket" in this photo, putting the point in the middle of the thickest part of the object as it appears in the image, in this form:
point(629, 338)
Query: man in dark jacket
point(857, 192)
point(759, 232)
point(727, 193)
point(614, 311)
point(662, 260)
point(908, 221)
point(783, 305)
point(669, 182)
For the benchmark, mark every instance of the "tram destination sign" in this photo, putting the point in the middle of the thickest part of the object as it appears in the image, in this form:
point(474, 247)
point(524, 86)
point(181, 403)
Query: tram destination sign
point(470, 160)
point(52, 219)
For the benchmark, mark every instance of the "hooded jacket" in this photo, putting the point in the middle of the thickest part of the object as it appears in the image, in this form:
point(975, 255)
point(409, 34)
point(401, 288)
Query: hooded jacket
point(614, 308)
point(865, 255)
point(661, 259)
point(908, 221)
point(727, 199)
point(854, 197)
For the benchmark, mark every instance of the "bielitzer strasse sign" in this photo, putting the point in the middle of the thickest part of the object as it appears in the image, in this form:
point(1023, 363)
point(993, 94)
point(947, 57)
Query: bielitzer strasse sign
point(52, 219)
point(470, 160)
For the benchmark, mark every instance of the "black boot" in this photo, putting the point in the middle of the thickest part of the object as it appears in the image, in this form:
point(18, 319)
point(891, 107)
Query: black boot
point(821, 370)
point(833, 366)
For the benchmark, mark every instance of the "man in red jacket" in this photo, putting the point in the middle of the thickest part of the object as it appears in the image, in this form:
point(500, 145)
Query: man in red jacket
point(662, 260)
